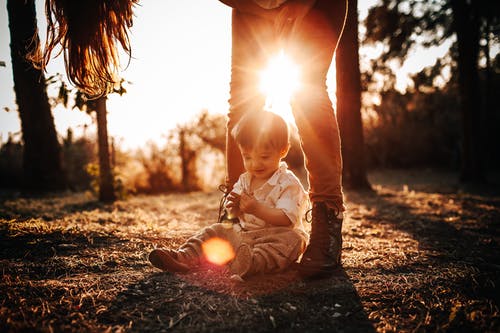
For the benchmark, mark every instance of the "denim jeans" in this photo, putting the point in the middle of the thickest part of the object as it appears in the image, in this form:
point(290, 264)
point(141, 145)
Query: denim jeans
point(311, 45)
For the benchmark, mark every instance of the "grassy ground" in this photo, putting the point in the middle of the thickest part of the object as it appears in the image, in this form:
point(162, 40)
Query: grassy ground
point(420, 254)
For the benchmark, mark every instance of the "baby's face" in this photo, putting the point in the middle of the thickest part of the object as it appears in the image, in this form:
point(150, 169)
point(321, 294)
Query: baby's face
point(261, 162)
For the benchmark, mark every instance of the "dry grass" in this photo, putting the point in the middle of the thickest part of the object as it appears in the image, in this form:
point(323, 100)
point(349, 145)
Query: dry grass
point(420, 254)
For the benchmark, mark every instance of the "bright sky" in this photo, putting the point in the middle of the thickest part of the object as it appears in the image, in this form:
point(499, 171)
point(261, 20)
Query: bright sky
point(180, 65)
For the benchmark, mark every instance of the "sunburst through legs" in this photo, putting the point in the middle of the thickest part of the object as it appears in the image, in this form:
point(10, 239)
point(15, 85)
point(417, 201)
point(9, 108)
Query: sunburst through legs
point(278, 81)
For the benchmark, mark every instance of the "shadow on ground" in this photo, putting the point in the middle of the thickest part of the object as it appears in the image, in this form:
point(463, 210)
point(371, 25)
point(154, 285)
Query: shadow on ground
point(207, 301)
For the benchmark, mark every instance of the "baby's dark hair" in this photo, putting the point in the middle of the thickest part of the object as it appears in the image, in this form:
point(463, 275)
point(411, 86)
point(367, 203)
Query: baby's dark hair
point(262, 128)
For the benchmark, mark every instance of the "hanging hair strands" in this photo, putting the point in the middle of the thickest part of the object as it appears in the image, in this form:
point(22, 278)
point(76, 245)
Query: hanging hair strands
point(88, 32)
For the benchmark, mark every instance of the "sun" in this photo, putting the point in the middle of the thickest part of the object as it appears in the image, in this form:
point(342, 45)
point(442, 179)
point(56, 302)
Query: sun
point(278, 81)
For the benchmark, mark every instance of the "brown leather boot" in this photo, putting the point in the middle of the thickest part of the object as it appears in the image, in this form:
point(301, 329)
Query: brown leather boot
point(168, 260)
point(323, 253)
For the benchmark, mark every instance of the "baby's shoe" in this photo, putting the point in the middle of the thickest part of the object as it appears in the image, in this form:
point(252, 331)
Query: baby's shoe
point(242, 262)
point(167, 260)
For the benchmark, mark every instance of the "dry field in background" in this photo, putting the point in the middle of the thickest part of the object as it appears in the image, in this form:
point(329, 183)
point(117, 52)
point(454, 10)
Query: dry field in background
point(420, 254)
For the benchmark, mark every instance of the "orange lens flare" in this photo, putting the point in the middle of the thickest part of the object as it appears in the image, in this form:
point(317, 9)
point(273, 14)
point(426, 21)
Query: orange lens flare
point(218, 251)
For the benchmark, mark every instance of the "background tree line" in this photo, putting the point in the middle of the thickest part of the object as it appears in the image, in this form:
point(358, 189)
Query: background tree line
point(464, 108)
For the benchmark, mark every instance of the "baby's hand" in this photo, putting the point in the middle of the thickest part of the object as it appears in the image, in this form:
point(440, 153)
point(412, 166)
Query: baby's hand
point(233, 200)
point(233, 203)
point(248, 204)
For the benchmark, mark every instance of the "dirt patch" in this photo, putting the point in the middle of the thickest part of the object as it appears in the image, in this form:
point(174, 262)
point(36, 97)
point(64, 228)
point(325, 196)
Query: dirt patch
point(420, 254)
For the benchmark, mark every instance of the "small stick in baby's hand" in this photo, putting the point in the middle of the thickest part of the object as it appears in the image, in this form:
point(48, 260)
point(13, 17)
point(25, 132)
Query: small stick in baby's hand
point(233, 204)
point(233, 200)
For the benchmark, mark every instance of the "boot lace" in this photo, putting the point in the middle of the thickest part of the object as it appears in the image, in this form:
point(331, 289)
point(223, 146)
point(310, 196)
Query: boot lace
point(223, 214)
point(331, 213)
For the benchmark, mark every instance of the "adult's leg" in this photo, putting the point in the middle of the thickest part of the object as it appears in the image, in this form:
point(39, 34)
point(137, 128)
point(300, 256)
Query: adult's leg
point(252, 38)
point(313, 45)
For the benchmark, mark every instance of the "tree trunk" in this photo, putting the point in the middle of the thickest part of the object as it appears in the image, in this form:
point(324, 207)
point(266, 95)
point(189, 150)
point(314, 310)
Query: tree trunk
point(466, 25)
point(106, 188)
point(184, 160)
point(488, 119)
point(42, 163)
point(349, 104)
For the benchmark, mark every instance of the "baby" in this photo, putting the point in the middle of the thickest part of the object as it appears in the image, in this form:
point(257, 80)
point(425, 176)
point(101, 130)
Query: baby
point(267, 204)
